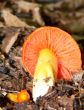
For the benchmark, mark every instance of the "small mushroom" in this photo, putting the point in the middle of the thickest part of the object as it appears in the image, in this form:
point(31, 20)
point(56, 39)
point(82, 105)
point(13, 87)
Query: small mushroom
point(50, 54)
point(20, 97)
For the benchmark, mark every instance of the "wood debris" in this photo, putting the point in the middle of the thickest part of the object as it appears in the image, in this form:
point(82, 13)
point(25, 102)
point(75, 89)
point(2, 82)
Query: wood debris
point(67, 4)
point(37, 17)
point(24, 6)
point(78, 77)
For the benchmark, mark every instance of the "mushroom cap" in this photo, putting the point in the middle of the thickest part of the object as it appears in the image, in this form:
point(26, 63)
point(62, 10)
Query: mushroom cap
point(60, 43)
point(23, 96)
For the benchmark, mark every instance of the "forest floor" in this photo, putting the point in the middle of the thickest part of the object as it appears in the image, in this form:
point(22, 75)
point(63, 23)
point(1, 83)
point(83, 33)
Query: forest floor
point(18, 18)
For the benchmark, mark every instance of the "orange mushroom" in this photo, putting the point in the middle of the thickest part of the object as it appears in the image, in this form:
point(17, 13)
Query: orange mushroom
point(22, 96)
point(12, 97)
point(50, 53)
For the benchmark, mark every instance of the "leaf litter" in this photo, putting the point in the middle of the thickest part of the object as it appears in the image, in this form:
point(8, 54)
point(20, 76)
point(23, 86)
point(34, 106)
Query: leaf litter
point(13, 77)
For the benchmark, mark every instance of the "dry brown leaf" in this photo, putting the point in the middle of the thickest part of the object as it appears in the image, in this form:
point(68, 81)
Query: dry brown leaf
point(9, 40)
point(37, 17)
point(12, 20)
point(1, 24)
point(26, 6)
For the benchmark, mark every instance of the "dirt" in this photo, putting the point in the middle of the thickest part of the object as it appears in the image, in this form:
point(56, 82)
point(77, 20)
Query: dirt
point(13, 77)
point(65, 95)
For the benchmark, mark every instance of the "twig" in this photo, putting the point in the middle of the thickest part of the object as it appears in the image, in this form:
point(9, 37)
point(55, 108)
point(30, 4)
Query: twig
point(1, 89)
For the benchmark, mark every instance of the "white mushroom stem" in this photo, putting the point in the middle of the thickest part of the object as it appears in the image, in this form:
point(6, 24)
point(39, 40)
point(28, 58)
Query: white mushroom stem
point(45, 73)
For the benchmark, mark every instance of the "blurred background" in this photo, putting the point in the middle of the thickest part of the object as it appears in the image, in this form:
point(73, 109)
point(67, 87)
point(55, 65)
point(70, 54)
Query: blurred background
point(65, 14)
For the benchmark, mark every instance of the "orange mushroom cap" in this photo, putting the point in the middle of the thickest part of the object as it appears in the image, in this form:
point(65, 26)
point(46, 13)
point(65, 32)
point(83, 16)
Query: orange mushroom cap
point(23, 96)
point(60, 43)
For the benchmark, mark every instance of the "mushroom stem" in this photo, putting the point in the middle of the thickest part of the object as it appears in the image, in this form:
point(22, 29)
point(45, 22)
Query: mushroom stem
point(45, 73)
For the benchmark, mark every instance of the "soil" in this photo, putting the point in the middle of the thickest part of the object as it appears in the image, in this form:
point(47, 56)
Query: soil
point(65, 95)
